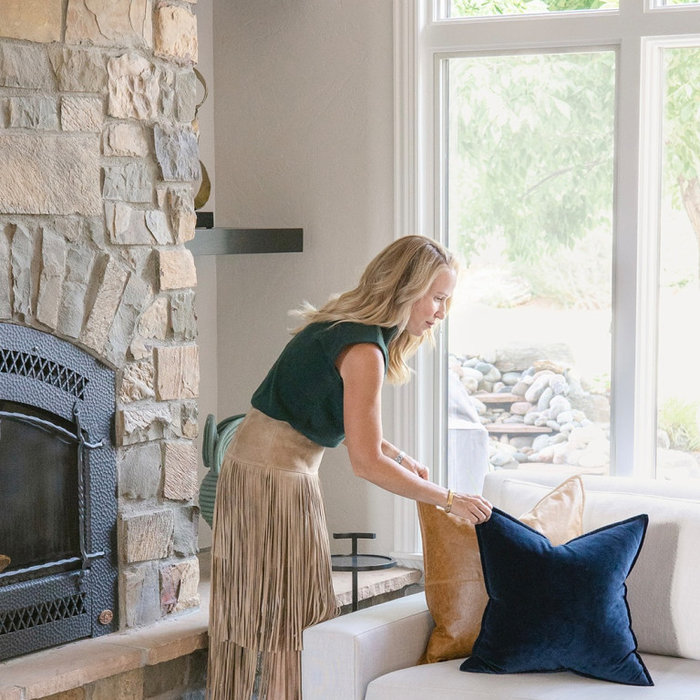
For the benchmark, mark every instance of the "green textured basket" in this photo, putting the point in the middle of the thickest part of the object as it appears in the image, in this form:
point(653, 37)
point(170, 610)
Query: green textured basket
point(215, 442)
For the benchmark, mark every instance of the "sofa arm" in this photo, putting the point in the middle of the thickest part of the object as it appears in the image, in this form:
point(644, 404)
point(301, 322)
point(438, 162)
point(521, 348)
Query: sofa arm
point(341, 656)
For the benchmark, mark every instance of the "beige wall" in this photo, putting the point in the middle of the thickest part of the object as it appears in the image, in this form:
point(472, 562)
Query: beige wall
point(206, 293)
point(303, 117)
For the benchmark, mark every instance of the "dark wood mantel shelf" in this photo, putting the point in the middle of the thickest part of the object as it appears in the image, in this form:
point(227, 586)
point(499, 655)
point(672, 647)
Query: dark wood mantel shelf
point(237, 241)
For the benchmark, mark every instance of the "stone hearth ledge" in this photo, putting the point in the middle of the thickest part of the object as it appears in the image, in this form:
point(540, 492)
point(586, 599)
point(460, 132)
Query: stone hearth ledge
point(79, 663)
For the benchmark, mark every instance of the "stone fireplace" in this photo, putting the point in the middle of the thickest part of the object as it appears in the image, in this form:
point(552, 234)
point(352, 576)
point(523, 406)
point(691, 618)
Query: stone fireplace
point(98, 160)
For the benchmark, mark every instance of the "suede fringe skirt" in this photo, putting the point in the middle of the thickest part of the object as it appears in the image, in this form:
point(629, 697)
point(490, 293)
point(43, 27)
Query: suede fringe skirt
point(271, 566)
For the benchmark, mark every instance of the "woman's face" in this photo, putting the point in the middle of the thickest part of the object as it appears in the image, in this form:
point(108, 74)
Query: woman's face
point(432, 307)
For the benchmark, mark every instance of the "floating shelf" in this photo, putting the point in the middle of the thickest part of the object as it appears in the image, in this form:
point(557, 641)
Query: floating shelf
point(239, 241)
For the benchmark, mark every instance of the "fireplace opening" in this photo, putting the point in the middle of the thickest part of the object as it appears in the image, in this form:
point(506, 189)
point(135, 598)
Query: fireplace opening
point(39, 474)
point(57, 493)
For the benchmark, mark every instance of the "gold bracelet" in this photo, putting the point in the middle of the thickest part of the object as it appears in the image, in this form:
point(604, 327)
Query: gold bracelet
point(450, 497)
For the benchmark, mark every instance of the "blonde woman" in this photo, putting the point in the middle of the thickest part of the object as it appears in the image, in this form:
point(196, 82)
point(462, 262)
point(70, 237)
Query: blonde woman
point(271, 574)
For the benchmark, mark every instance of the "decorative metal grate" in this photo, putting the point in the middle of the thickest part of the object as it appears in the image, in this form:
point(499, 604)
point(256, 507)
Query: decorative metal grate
point(43, 370)
point(43, 613)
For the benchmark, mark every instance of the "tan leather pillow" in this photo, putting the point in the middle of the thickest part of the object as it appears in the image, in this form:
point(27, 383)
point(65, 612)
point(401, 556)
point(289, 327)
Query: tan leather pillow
point(454, 581)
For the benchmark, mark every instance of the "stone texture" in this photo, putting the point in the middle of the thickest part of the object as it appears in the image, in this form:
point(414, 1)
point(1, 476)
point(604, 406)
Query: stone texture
point(71, 228)
point(185, 531)
point(25, 66)
point(157, 224)
point(78, 70)
point(124, 686)
point(74, 694)
point(101, 316)
point(185, 96)
point(33, 113)
point(175, 33)
point(154, 320)
point(179, 584)
point(139, 595)
point(5, 277)
point(136, 295)
point(164, 680)
point(130, 226)
point(123, 139)
point(189, 415)
point(69, 666)
point(109, 22)
point(22, 258)
point(180, 471)
point(182, 315)
point(81, 113)
point(50, 174)
point(139, 469)
point(33, 20)
point(183, 218)
point(177, 372)
point(140, 348)
point(135, 89)
point(145, 423)
point(177, 152)
point(137, 382)
point(53, 271)
point(198, 674)
point(130, 182)
point(71, 312)
point(146, 535)
point(176, 269)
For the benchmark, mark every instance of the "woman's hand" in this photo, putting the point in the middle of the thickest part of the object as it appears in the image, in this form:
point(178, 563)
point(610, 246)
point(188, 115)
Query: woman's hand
point(474, 509)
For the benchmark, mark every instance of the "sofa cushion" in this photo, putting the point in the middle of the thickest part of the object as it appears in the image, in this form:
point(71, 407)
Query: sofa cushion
point(676, 679)
point(454, 583)
point(554, 608)
point(663, 587)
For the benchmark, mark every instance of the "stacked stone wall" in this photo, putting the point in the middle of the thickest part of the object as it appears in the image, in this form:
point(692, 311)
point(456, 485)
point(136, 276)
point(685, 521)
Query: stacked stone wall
point(98, 157)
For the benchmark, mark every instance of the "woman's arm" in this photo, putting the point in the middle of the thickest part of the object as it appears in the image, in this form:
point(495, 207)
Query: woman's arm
point(361, 367)
point(406, 460)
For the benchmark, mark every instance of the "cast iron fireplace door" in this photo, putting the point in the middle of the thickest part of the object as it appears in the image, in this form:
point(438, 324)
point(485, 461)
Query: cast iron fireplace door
point(57, 493)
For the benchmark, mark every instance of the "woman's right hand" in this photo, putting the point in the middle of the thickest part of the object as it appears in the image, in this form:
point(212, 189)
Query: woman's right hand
point(474, 509)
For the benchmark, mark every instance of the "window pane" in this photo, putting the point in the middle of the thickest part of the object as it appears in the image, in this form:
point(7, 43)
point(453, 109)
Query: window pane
point(530, 190)
point(487, 8)
point(678, 381)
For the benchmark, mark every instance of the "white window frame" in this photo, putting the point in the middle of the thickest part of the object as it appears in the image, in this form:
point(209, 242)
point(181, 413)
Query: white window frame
point(637, 32)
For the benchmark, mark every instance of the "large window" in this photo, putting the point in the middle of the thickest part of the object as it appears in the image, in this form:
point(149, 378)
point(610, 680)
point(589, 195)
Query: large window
point(529, 170)
point(554, 143)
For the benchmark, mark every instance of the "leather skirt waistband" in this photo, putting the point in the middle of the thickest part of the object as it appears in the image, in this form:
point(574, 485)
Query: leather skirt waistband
point(264, 441)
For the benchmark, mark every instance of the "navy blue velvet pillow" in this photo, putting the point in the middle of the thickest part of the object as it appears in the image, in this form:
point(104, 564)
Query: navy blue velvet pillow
point(558, 608)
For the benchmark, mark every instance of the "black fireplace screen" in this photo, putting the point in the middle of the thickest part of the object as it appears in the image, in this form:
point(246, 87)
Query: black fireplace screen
point(39, 477)
point(57, 493)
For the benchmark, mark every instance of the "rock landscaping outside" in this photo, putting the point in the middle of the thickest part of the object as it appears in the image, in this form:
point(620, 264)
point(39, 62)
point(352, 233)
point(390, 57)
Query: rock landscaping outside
point(537, 413)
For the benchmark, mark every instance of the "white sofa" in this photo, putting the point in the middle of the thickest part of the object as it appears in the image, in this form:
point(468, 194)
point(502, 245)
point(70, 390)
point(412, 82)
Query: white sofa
point(372, 653)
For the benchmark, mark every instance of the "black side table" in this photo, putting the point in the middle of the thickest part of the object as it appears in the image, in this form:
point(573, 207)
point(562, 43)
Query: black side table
point(355, 562)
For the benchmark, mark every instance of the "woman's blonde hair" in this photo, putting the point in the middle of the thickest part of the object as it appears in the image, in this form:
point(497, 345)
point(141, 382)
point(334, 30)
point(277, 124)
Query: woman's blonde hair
point(393, 281)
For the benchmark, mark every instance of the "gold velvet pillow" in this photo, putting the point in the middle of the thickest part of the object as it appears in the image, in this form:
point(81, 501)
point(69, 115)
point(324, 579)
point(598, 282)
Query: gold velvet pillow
point(454, 581)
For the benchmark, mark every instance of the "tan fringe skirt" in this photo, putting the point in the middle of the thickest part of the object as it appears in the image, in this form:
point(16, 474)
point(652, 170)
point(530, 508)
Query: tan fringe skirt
point(271, 570)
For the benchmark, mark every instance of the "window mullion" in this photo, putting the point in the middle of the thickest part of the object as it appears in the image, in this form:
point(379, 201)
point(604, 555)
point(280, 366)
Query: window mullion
point(626, 358)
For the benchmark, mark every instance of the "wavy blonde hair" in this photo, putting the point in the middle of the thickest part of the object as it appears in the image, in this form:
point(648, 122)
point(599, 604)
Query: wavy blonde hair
point(393, 281)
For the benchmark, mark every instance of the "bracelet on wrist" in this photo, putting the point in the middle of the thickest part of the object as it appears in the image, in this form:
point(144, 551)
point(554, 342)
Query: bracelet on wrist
point(450, 498)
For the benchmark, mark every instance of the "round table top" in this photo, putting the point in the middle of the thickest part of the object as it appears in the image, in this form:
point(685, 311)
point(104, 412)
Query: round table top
point(361, 562)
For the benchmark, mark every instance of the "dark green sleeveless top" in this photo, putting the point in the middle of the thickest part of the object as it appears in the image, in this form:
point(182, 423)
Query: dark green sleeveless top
point(305, 389)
